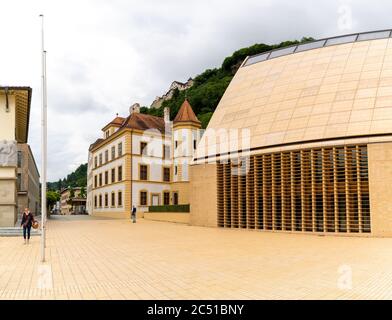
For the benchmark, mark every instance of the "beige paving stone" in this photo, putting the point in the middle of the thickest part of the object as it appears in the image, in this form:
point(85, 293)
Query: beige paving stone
point(114, 259)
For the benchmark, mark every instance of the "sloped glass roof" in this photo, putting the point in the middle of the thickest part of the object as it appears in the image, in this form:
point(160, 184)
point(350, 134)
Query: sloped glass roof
point(372, 35)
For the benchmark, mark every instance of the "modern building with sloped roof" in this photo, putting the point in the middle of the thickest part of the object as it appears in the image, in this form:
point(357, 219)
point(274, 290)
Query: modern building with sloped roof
point(301, 141)
point(141, 160)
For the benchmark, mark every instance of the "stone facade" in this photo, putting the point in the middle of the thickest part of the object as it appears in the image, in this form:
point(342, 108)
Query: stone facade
point(28, 184)
point(75, 205)
point(157, 103)
point(14, 119)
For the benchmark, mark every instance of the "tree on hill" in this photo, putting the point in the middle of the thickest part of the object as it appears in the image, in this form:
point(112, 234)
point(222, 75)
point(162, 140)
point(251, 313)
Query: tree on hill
point(82, 193)
point(78, 178)
point(71, 193)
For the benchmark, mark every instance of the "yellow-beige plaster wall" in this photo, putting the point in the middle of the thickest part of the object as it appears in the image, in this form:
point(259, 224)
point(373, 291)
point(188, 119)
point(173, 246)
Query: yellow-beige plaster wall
point(380, 179)
point(203, 198)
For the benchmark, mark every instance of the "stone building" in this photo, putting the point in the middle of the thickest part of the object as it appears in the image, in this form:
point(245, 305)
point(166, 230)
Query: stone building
point(72, 203)
point(180, 86)
point(28, 184)
point(14, 127)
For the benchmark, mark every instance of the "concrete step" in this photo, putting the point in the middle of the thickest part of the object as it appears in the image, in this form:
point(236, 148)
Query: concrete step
point(17, 232)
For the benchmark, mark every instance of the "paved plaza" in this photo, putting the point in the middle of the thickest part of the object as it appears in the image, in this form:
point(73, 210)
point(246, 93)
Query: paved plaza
point(90, 258)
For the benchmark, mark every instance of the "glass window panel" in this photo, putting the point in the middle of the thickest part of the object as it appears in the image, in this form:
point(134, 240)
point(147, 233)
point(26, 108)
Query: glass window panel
point(340, 40)
point(310, 45)
point(374, 35)
point(282, 52)
point(258, 58)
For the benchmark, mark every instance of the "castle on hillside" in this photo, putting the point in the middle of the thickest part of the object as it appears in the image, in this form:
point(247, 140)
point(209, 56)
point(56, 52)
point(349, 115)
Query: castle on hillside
point(169, 94)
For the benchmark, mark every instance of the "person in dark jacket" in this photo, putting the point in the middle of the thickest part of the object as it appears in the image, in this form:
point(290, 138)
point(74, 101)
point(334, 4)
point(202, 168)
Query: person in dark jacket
point(133, 214)
point(27, 222)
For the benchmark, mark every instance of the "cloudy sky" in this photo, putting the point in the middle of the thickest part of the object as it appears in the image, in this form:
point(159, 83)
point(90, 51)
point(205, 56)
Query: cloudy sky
point(105, 55)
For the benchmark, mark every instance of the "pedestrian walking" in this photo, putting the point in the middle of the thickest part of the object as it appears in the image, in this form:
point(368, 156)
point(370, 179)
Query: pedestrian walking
point(133, 214)
point(27, 222)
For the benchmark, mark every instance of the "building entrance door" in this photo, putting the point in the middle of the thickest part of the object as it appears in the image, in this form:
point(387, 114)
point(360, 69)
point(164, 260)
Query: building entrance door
point(155, 200)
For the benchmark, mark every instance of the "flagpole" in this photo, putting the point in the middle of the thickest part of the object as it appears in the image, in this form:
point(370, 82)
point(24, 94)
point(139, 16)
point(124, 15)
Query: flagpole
point(43, 143)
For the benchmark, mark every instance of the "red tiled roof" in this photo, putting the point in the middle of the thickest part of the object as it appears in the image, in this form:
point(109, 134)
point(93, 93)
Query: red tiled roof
point(142, 121)
point(117, 121)
point(138, 121)
point(186, 114)
point(98, 141)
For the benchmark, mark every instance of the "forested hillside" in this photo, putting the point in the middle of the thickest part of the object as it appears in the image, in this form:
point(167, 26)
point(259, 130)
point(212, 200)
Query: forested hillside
point(78, 178)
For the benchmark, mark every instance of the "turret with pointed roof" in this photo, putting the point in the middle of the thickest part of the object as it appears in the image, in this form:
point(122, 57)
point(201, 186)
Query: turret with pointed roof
point(186, 116)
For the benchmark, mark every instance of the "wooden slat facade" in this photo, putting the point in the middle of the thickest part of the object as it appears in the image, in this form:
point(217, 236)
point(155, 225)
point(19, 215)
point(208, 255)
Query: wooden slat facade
point(311, 190)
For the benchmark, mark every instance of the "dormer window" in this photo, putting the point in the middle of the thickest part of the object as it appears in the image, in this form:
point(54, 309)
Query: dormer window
point(107, 134)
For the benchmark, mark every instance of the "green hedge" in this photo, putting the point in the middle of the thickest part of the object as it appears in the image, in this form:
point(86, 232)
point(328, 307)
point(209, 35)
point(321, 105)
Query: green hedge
point(170, 208)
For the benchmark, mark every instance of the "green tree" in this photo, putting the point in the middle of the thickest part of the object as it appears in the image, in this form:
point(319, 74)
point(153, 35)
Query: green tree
point(51, 198)
point(78, 178)
point(71, 193)
point(82, 192)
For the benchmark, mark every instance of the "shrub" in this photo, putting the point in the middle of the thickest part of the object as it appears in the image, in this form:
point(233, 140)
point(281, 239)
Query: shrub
point(170, 208)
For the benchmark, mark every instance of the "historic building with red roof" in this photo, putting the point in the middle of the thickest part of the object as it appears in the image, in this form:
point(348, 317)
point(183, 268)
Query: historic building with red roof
point(141, 160)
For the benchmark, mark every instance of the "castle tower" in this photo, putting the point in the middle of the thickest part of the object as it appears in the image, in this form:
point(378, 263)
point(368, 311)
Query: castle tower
point(185, 137)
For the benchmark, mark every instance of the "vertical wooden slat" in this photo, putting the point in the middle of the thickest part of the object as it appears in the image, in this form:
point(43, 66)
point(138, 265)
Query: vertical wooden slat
point(313, 191)
point(283, 190)
point(359, 190)
point(220, 195)
point(329, 189)
point(250, 209)
point(242, 193)
point(267, 191)
point(323, 186)
point(277, 164)
point(227, 177)
point(258, 191)
point(335, 189)
point(234, 197)
point(292, 191)
point(273, 190)
point(302, 183)
point(346, 174)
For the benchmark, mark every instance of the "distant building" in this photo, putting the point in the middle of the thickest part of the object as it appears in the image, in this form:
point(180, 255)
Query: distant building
point(142, 160)
point(14, 126)
point(75, 204)
point(28, 184)
point(157, 103)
